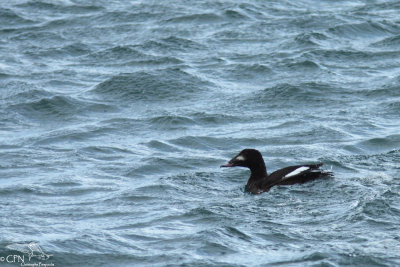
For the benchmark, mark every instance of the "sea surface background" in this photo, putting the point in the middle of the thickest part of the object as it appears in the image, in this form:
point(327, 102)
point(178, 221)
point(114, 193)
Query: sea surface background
point(115, 117)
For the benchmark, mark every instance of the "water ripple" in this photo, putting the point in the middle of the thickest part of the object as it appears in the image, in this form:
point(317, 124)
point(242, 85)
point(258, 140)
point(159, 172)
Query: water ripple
point(116, 115)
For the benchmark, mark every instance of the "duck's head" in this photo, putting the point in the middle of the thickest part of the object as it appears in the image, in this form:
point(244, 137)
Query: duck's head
point(249, 158)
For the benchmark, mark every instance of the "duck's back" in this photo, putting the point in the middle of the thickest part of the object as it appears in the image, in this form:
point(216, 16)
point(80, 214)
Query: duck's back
point(295, 175)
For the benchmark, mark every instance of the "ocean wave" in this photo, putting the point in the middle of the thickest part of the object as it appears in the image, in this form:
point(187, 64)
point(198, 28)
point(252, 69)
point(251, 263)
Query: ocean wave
point(373, 159)
point(206, 18)
point(208, 143)
point(208, 118)
point(55, 107)
point(71, 50)
point(310, 39)
point(54, 189)
point(171, 122)
point(104, 153)
point(387, 91)
point(162, 146)
point(392, 42)
point(162, 85)
point(166, 165)
point(339, 57)
point(303, 64)
point(374, 208)
point(67, 135)
point(157, 190)
point(114, 54)
point(62, 53)
point(162, 62)
point(125, 125)
point(321, 133)
point(392, 107)
point(19, 91)
point(197, 142)
point(58, 7)
point(126, 56)
point(312, 92)
point(380, 143)
point(245, 73)
point(364, 29)
point(140, 13)
point(9, 18)
point(235, 15)
point(84, 191)
point(172, 44)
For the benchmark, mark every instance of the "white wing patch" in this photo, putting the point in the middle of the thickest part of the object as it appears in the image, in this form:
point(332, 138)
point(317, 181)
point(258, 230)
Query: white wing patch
point(240, 157)
point(296, 171)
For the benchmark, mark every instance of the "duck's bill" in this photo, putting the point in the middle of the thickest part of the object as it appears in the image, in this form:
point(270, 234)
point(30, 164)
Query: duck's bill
point(227, 165)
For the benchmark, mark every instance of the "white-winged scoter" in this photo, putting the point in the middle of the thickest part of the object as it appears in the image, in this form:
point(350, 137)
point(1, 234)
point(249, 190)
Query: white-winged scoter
point(260, 181)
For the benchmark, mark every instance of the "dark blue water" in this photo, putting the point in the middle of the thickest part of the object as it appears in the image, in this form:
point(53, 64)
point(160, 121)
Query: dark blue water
point(115, 117)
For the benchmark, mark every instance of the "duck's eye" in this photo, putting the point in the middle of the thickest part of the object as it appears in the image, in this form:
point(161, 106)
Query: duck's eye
point(240, 158)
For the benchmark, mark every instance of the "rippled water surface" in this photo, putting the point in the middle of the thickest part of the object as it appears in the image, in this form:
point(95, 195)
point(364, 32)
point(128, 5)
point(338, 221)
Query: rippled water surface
point(115, 117)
